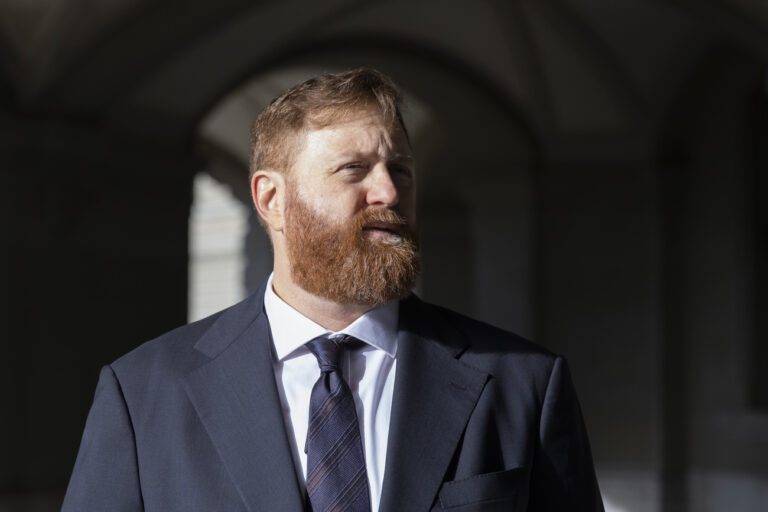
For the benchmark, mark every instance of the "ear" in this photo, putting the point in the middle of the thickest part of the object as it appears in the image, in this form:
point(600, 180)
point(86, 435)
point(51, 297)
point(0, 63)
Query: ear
point(268, 191)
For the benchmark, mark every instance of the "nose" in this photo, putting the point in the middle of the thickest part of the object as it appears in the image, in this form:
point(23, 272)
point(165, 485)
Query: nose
point(381, 189)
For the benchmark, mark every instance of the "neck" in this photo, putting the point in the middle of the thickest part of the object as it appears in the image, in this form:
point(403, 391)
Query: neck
point(331, 315)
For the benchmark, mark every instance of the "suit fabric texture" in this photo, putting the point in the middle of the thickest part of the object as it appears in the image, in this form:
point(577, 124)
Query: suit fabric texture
point(482, 420)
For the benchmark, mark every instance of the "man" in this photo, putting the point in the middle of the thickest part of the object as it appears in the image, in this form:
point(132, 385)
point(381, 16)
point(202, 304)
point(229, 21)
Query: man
point(333, 387)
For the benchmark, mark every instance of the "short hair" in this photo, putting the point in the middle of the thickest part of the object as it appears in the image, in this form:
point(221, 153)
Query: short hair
point(317, 103)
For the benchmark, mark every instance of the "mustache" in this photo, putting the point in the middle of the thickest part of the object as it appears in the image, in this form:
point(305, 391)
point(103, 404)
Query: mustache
point(394, 218)
point(381, 215)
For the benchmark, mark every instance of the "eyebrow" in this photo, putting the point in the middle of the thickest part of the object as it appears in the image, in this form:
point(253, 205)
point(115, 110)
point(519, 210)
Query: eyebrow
point(402, 156)
point(357, 155)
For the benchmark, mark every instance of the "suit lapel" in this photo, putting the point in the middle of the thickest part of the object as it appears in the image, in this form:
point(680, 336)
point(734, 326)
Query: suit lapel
point(434, 397)
point(235, 396)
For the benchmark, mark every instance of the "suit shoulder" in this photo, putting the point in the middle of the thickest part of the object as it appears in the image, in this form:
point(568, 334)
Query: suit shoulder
point(482, 340)
point(178, 352)
point(171, 352)
point(514, 362)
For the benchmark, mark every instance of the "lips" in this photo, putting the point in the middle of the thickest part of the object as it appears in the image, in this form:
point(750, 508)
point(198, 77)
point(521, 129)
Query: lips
point(395, 229)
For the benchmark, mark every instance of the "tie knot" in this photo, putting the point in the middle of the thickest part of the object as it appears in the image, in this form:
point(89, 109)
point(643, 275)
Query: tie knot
point(328, 351)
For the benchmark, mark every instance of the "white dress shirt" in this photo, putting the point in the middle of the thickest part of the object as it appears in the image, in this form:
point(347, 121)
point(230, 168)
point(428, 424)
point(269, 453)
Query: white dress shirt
point(369, 371)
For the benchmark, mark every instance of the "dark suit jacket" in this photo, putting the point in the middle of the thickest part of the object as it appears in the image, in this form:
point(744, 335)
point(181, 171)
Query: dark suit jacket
point(191, 421)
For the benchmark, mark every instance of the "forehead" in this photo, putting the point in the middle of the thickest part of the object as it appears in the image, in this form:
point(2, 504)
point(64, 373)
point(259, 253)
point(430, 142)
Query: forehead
point(365, 134)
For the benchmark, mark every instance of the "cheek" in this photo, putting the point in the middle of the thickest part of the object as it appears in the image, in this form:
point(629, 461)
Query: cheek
point(335, 206)
point(331, 197)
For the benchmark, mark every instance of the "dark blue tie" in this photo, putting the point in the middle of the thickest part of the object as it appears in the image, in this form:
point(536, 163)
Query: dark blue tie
point(336, 476)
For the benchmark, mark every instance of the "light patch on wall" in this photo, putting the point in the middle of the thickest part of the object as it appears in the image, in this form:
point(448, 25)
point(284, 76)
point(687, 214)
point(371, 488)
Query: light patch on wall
point(627, 490)
point(217, 228)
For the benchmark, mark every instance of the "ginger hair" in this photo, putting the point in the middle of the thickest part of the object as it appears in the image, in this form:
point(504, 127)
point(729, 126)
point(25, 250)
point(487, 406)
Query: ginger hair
point(315, 104)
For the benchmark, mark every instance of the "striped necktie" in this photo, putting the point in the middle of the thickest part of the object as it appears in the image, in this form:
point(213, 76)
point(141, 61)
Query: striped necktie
point(336, 476)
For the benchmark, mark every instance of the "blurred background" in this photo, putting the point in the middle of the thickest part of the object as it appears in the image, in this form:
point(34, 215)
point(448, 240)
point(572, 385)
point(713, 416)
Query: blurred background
point(592, 175)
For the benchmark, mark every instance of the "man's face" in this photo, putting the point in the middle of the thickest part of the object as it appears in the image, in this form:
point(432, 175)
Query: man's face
point(350, 213)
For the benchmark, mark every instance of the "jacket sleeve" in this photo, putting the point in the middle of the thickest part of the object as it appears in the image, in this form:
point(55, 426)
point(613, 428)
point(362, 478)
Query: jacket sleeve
point(106, 475)
point(563, 475)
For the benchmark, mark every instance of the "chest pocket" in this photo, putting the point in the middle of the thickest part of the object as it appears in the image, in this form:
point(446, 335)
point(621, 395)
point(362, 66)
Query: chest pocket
point(489, 492)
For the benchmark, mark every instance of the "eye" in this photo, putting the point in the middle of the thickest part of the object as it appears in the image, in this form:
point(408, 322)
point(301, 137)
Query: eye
point(353, 166)
point(400, 170)
point(352, 172)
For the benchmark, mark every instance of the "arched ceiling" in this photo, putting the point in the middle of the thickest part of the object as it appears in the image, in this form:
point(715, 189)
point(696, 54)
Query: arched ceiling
point(571, 67)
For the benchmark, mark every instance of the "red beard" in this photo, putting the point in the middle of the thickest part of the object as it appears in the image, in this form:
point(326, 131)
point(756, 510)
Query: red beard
point(340, 263)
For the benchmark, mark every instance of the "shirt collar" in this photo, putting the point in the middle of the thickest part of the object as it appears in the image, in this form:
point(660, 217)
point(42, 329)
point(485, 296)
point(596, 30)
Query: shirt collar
point(291, 330)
